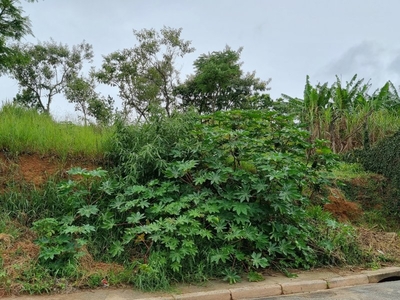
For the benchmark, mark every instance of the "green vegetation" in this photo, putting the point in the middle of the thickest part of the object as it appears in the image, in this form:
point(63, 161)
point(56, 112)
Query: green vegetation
point(348, 116)
point(27, 131)
point(188, 197)
point(13, 26)
point(212, 179)
point(219, 84)
point(51, 66)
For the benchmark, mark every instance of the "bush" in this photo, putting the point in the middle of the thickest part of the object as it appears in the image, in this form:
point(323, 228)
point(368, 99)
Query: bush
point(140, 152)
point(384, 159)
point(215, 196)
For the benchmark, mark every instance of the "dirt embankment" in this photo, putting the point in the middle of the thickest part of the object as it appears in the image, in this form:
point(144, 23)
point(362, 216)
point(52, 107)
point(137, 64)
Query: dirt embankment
point(36, 169)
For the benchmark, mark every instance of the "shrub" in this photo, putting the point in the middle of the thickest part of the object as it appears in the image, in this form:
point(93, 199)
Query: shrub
point(226, 197)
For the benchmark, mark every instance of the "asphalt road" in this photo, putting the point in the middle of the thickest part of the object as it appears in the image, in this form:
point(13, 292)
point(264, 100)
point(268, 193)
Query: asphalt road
point(378, 291)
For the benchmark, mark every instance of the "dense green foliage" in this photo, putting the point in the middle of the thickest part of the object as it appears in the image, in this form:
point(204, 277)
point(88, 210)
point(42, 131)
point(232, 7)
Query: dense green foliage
point(217, 185)
point(50, 67)
point(81, 92)
point(348, 115)
point(219, 83)
point(228, 194)
point(13, 26)
point(383, 158)
point(146, 73)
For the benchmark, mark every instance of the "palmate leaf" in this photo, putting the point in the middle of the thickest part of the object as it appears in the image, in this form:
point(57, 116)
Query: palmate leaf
point(67, 220)
point(50, 252)
point(179, 169)
point(107, 220)
point(286, 248)
point(108, 187)
point(170, 242)
point(216, 177)
point(204, 233)
point(219, 256)
point(240, 208)
point(188, 248)
point(87, 228)
point(99, 172)
point(288, 193)
point(200, 179)
point(231, 276)
point(244, 194)
point(135, 218)
point(176, 266)
point(135, 189)
point(72, 229)
point(119, 201)
point(116, 249)
point(79, 229)
point(88, 210)
point(258, 261)
point(260, 186)
point(76, 171)
point(176, 256)
point(211, 208)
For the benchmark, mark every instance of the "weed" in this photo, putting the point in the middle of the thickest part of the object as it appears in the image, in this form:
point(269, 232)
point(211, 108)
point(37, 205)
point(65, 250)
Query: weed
point(254, 276)
point(231, 276)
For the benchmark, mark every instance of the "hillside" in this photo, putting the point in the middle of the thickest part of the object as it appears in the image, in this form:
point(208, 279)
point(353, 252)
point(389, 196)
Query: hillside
point(67, 223)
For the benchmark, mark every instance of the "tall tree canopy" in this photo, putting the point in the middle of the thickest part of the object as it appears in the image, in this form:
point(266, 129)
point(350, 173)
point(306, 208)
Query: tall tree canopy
point(50, 67)
point(219, 83)
point(81, 92)
point(146, 74)
point(13, 26)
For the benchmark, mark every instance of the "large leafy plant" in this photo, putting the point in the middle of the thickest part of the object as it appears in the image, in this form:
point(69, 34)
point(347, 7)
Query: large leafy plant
point(229, 195)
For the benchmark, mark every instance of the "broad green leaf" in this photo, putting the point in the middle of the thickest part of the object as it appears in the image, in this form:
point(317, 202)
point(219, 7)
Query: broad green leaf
point(134, 189)
point(135, 218)
point(88, 210)
point(258, 261)
point(240, 208)
point(116, 249)
point(87, 228)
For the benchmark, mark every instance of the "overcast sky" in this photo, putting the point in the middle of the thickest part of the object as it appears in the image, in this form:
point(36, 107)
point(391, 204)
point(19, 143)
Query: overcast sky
point(282, 39)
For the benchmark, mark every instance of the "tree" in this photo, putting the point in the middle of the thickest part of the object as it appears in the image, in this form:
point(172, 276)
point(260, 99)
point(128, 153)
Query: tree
point(102, 109)
point(146, 74)
point(13, 26)
point(27, 98)
point(50, 68)
point(81, 91)
point(219, 83)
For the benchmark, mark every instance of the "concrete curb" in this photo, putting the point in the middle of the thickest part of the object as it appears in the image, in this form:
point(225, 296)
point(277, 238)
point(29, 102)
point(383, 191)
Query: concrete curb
point(294, 287)
point(347, 281)
point(256, 291)
point(275, 286)
point(211, 295)
point(378, 275)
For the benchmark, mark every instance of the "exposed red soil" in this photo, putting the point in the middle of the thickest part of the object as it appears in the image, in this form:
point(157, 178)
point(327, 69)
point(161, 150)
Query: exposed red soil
point(36, 169)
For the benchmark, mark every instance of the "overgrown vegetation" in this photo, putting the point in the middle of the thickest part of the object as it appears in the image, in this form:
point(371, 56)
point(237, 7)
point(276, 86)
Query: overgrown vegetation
point(198, 197)
point(193, 189)
point(349, 116)
point(27, 131)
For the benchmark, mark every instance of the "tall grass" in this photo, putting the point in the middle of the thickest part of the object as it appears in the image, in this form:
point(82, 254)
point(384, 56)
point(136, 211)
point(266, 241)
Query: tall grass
point(26, 131)
point(383, 123)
